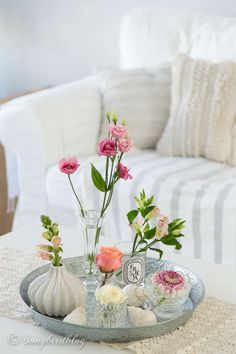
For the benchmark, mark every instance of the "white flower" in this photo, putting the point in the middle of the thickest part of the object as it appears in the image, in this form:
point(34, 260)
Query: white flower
point(109, 294)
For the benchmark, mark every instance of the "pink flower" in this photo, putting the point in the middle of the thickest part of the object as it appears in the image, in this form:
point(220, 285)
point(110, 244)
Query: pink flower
point(44, 248)
point(124, 145)
point(56, 241)
point(107, 147)
point(69, 166)
point(123, 172)
point(153, 214)
point(164, 219)
point(45, 256)
point(169, 279)
point(109, 259)
point(117, 131)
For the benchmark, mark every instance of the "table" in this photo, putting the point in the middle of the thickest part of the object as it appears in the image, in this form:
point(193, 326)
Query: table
point(28, 237)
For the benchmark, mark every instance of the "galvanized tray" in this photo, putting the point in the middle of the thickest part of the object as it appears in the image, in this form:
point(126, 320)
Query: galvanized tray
point(74, 265)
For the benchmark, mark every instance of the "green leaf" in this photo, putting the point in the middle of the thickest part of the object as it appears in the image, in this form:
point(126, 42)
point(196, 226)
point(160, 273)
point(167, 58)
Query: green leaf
point(132, 215)
point(150, 233)
point(158, 251)
point(148, 210)
point(46, 221)
point(97, 179)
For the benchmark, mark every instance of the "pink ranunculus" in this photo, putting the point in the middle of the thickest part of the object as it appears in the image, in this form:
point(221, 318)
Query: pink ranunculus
point(125, 145)
point(107, 147)
point(69, 166)
point(45, 256)
point(117, 131)
point(123, 172)
point(109, 259)
point(56, 241)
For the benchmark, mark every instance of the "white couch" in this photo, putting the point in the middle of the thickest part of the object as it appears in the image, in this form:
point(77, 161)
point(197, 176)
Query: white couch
point(42, 128)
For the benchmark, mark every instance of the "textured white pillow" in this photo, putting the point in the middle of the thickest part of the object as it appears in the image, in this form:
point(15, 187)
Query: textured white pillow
point(140, 96)
point(203, 110)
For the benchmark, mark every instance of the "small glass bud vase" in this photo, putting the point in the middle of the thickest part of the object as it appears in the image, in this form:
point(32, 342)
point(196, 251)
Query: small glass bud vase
point(91, 224)
point(110, 307)
point(168, 290)
point(110, 316)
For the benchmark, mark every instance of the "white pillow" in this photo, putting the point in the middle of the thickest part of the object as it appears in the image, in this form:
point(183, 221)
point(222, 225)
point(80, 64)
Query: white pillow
point(203, 110)
point(140, 96)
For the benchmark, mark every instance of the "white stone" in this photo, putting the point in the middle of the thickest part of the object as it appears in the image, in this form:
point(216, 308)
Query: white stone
point(136, 296)
point(77, 316)
point(140, 317)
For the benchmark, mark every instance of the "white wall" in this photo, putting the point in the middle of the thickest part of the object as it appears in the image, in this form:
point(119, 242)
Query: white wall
point(47, 42)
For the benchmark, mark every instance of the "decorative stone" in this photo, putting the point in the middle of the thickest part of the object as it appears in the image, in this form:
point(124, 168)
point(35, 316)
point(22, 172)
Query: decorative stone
point(77, 316)
point(140, 317)
point(136, 296)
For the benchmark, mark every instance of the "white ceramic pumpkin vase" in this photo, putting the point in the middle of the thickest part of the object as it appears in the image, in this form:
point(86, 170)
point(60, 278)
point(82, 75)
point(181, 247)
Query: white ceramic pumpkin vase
point(57, 292)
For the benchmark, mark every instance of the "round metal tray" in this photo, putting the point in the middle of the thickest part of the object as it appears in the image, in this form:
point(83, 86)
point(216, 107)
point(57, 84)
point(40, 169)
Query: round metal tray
point(74, 265)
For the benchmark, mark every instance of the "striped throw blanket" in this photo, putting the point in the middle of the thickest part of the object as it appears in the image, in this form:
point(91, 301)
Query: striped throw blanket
point(202, 192)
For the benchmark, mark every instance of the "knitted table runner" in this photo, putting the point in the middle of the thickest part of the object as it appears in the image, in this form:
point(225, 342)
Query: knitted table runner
point(211, 330)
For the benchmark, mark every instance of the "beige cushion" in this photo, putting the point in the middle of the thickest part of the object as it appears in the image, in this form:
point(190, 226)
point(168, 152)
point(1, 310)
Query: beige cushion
point(202, 110)
point(140, 96)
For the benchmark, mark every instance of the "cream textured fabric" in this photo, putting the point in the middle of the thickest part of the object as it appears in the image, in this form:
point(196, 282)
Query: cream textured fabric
point(211, 330)
point(142, 97)
point(203, 110)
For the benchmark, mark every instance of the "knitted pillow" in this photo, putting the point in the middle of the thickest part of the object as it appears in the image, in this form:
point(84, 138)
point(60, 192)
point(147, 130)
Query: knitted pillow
point(203, 110)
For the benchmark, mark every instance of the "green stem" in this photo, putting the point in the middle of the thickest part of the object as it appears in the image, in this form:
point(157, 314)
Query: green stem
point(76, 196)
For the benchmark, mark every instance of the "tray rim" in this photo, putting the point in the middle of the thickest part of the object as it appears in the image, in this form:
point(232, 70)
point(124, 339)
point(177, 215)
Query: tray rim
point(45, 267)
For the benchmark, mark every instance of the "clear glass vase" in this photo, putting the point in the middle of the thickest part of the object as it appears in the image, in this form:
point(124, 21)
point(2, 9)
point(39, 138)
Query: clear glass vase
point(92, 225)
point(110, 316)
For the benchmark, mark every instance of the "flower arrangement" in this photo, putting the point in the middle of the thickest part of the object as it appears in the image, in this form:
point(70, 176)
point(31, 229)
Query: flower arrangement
point(113, 148)
point(168, 289)
point(52, 251)
point(151, 227)
point(110, 306)
point(109, 260)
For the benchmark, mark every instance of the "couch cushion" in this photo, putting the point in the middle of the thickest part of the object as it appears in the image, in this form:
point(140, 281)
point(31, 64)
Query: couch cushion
point(202, 192)
point(203, 110)
point(142, 97)
point(153, 36)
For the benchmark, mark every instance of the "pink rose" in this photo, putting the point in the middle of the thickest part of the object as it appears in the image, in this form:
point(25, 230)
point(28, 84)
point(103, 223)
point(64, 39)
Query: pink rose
point(107, 147)
point(56, 241)
point(123, 172)
point(117, 131)
point(124, 145)
point(109, 259)
point(69, 166)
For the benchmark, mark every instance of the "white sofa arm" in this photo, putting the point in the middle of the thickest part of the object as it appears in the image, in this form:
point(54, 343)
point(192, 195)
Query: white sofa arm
point(40, 129)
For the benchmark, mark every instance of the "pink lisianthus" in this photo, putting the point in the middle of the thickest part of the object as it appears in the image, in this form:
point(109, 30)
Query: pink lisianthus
point(107, 147)
point(123, 172)
point(69, 166)
point(117, 131)
point(56, 241)
point(45, 256)
point(125, 145)
point(109, 259)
